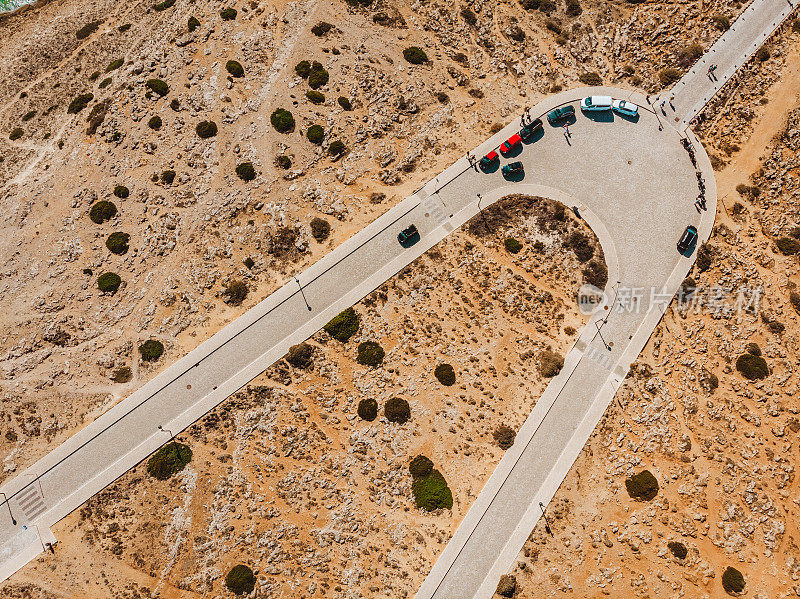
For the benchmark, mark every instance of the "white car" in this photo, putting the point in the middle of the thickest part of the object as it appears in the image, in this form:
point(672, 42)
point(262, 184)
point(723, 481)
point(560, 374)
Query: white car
point(597, 103)
point(626, 108)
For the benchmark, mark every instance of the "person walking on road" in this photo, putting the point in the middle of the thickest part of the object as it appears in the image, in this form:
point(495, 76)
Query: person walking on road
point(566, 130)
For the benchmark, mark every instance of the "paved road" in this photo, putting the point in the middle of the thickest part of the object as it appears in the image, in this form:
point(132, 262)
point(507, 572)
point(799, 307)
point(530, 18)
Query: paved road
point(727, 54)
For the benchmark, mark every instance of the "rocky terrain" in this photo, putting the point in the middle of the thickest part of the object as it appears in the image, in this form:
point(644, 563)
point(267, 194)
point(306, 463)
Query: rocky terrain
point(285, 477)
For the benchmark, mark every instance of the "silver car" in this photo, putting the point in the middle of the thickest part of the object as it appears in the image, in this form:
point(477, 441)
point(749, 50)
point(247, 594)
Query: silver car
point(625, 108)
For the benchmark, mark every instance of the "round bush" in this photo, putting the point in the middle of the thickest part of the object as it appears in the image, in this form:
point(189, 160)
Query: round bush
point(234, 68)
point(397, 410)
point(677, 549)
point(240, 580)
point(336, 148)
point(669, 76)
point(315, 134)
point(155, 123)
point(109, 282)
point(732, 581)
point(151, 350)
point(246, 171)
point(370, 354)
point(368, 409)
point(102, 211)
point(550, 364)
point(590, 78)
point(16, 134)
point(345, 103)
point(168, 177)
point(117, 242)
point(315, 97)
point(121, 191)
point(512, 245)
point(344, 325)
point(788, 246)
point(300, 355)
point(206, 129)
point(157, 86)
point(445, 374)
point(228, 14)
point(504, 436)
point(169, 460)
point(431, 492)
point(415, 55)
point(283, 161)
point(320, 229)
point(122, 375)
point(303, 68)
point(420, 466)
point(317, 77)
point(282, 120)
point(321, 28)
point(752, 367)
point(193, 24)
point(235, 293)
point(642, 486)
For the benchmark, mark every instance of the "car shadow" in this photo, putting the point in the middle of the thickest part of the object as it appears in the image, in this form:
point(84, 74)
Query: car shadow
point(514, 152)
point(629, 118)
point(491, 168)
point(515, 178)
point(601, 116)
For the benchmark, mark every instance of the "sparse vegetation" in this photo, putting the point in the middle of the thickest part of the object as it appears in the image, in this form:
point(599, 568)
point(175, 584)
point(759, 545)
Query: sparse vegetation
point(788, 246)
point(164, 5)
point(642, 486)
point(79, 103)
point(114, 65)
point(121, 191)
point(763, 54)
point(246, 171)
point(668, 76)
point(688, 55)
point(109, 282)
point(102, 211)
point(283, 161)
point(301, 355)
point(504, 436)
point(590, 78)
point(315, 134)
point(155, 123)
point(579, 243)
point(752, 367)
point(117, 243)
point(507, 586)
point(235, 68)
point(282, 120)
point(415, 55)
point(151, 350)
point(677, 549)
point(169, 460)
point(344, 103)
point(122, 375)
point(157, 86)
point(368, 409)
point(16, 134)
point(721, 22)
point(445, 374)
point(732, 581)
point(235, 292)
point(344, 325)
point(321, 28)
point(88, 30)
point(794, 299)
point(431, 492)
point(596, 273)
point(228, 14)
point(512, 245)
point(705, 257)
point(420, 466)
point(206, 129)
point(168, 177)
point(320, 229)
point(370, 353)
point(687, 289)
point(550, 363)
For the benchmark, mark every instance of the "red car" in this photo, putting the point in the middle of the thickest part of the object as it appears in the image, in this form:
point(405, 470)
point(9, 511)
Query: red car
point(511, 143)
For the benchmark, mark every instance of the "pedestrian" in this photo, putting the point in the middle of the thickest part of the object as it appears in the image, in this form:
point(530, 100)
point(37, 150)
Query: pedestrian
point(697, 205)
point(566, 130)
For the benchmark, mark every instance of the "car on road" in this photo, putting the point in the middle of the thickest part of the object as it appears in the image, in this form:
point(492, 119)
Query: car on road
point(408, 236)
point(510, 144)
point(562, 113)
point(688, 239)
point(530, 129)
point(513, 168)
point(625, 108)
point(592, 103)
point(488, 160)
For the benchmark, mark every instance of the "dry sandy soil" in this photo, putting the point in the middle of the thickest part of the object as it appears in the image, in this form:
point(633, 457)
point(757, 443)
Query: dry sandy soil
point(285, 477)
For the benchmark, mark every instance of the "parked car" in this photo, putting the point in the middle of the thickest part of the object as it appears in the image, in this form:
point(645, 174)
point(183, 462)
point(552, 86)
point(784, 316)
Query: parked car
point(530, 129)
point(513, 168)
point(592, 103)
point(510, 144)
point(688, 239)
point(408, 236)
point(625, 108)
point(488, 160)
point(557, 115)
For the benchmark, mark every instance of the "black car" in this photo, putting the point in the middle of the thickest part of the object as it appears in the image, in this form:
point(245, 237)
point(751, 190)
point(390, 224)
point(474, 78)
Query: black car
point(513, 168)
point(688, 239)
point(408, 236)
point(531, 129)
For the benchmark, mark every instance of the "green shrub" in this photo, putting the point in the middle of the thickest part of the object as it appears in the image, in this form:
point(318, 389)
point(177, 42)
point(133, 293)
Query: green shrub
point(512, 245)
point(157, 86)
point(397, 410)
point(169, 460)
point(445, 374)
point(689, 54)
point(687, 289)
point(732, 581)
point(344, 325)
point(102, 211)
point(246, 171)
point(642, 486)
point(228, 14)
point(550, 363)
point(705, 257)
point(431, 492)
point(235, 68)
point(337, 148)
point(590, 78)
point(368, 409)
point(206, 129)
point(573, 8)
point(235, 292)
point(16, 134)
point(79, 103)
point(303, 68)
point(596, 273)
point(677, 549)
point(344, 103)
point(763, 54)
point(721, 22)
point(321, 28)
point(114, 65)
point(28, 116)
point(240, 580)
point(164, 5)
point(155, 123)
point(87, 30)
point(504, 436)
point(420, 467)
point(282, 120)
point(315, 134)
point(117, 242)
point(193, 24)
point(109, 282)
point(301, 355)
point(370, 353)
point(315, 97)
point(320, 229)
point(168, 177)
point(579, 243)
point(121, 191)
point(752, 367)
point(788, 246)
point(104, 83)
point(318, 76)
point(668, 76)
point(122, 375)
point(415, 55)
point(151, 350)
point(283, 161)
point(507, 586)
